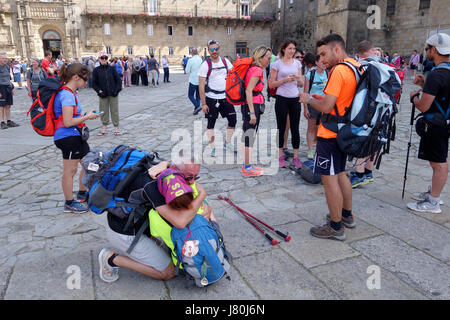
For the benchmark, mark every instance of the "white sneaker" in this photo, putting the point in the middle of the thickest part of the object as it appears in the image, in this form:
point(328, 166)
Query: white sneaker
point(425, 206)
point(230, 147)
point(424, 195)
point(107, 273)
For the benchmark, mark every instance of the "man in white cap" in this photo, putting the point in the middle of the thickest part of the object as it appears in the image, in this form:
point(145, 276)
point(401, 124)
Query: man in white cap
point(434, 104)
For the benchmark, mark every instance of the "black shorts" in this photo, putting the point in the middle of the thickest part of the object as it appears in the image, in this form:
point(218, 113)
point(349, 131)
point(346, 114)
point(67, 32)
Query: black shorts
point(72, 147)
point(329, 160)
point(413, 67)
point(221, 106)
point(7, 97)
point(434, 145)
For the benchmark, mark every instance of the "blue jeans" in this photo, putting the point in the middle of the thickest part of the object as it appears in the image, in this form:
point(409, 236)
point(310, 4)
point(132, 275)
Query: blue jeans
point(193, 90)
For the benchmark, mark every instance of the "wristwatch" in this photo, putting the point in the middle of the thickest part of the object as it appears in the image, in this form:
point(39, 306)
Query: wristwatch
point(308, 100)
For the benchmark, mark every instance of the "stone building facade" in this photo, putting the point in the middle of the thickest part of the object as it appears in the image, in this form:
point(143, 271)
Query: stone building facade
point(75, 28)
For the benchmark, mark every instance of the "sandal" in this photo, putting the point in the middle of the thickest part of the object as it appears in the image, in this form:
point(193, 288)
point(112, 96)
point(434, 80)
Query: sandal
point(101, 133)
point(117, 133)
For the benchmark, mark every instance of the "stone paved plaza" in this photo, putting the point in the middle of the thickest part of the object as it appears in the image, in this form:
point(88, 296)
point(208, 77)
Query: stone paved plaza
point(39, 243)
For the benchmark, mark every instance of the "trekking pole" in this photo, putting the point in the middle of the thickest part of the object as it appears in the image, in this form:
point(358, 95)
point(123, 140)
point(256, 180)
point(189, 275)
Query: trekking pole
point(286, 237)
point(409, 147)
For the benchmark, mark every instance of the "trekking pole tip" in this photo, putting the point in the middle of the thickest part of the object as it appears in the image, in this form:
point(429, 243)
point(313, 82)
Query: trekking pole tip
point(288, 238)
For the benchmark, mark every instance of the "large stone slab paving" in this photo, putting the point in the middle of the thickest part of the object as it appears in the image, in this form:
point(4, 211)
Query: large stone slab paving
point(414, 230)
point(234, 289)
point(274, 275)
point(416, 268)
point(311, 251)
point(43, 275)
point(348, 279)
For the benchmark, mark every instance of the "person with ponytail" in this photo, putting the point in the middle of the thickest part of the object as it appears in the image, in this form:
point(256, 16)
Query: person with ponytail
point(68, 138)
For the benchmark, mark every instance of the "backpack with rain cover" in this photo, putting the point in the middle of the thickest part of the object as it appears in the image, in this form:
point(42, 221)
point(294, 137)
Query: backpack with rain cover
point(107, 177)
point(235, 84)
point(366, 127)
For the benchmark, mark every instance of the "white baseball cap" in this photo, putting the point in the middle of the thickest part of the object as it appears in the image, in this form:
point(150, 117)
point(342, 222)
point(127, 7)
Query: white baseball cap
point(441, 41)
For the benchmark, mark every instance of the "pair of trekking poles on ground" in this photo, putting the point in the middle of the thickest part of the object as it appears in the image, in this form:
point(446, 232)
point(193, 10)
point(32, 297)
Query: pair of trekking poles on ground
point(254, 221)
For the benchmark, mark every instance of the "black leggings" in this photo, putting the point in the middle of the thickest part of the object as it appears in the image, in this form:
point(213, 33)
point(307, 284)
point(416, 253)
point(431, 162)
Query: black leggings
point(283, 108)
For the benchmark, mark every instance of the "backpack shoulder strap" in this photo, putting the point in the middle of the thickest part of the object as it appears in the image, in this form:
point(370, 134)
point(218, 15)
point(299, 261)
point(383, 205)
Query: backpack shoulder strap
point(311, 79)
point(224, 61)
point(209, 63)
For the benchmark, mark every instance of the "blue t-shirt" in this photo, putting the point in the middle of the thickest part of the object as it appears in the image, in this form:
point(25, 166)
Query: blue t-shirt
point(320, 81)
point(66, 98)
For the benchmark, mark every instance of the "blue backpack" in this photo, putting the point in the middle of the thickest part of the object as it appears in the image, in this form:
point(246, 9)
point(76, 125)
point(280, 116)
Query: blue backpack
point(200, 250)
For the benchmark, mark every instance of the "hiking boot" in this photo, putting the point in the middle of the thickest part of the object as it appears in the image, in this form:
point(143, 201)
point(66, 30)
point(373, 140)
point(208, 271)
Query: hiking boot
point(369, 177)
point(4, 126)
point(82, 196)
point(424, 195)
point(75, 207)
point(12, 124)
point(107, 273)
point(297, 163)
point(425, 206)
point(213, 152)
point(311, 155)
point(197, 110)
point(251, 172)
point(357, 181)
point(327, 232)
point(230, 147)
point(348, 222)
point(282, 162)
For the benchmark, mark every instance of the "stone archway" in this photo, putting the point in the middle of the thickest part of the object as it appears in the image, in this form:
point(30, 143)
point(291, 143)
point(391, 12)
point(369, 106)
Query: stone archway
point(51, 40)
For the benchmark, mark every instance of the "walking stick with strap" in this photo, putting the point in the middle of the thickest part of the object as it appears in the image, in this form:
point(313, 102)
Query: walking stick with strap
point(409, 147)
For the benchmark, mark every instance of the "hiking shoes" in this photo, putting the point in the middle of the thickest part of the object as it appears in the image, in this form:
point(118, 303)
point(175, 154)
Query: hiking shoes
point(107, 273)
point(357, 181)
point(230, 147)
point(252, 171)
point(297, 163)
point(197, 110)
point(4, 125)
point(75, 207)
point(282, 162)
point(348, 222)
point(425, 206)
point(424, 195)
point(213, 152)
point(369, 177)
point(82, 196)
point(327, 232)
point(12, 124)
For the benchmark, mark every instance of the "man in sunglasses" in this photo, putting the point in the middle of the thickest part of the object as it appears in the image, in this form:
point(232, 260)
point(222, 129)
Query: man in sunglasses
point(212, 81)
point(435, 124)
point(107, 83)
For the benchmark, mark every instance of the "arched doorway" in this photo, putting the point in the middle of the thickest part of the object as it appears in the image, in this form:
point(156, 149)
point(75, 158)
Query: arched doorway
point(52, 41)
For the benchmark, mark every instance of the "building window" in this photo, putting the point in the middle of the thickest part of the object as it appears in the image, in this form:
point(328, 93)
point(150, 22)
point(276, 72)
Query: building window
point(170, 51)
point(151, 51)
point(244, 10)
point(228, 30)
point(129, 29)
point(279, 4)
point(130, 50)
point(108, 50)
point(241, 49)
point(107, 29)
point(190, 31)
point(390, 9)
point(424, 4)
point(170, 30)
point(152, 6)
point(150, 30)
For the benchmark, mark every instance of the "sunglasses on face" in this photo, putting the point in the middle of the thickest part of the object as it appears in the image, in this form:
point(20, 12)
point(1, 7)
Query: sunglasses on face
point(191, 178)
point(104, 58)
point(298, 57)
point(85, 79)
point(214, 49)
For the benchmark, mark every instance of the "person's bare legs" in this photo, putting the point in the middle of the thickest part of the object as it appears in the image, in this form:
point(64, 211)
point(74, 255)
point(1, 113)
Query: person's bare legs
point(440, 175)
point(70, 168)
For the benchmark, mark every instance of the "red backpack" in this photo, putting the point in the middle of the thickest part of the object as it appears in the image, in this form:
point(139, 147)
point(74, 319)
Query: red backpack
point(235, 85)
point(41, 111)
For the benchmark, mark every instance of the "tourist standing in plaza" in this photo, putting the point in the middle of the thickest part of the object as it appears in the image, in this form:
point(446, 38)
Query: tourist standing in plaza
point(254, 108)
point(212, 82)
point(165, 65)
point(16, 69)
point(433, 127)
point(34, 77)
point(69, 122)
point(107, 83)
point(6, 93)
point(47, 64)
point(135, 71)
point(127, 71)
point(286, 76)
point(414, 62)
point(315, 81)
point(330, 161)
point(143, 71)
point(192, 67)
point(153, 67)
